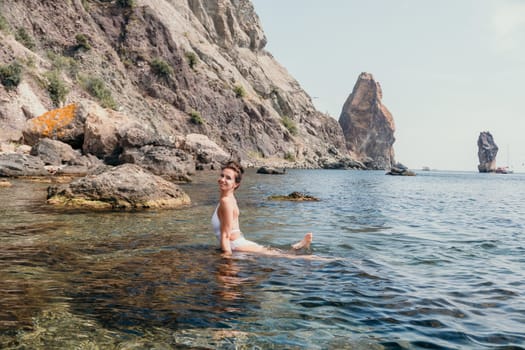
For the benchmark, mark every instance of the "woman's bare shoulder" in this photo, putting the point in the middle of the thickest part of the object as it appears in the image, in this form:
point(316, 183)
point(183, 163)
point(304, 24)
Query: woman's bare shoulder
point(226, 202)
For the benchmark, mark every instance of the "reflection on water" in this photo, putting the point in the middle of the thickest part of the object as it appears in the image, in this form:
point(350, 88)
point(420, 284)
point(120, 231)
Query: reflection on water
point(425, 262)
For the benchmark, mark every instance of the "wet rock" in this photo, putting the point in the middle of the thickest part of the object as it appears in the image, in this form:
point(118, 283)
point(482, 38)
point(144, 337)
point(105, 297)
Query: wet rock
point(343, 163)
point(126, 187)
point(294, 197)
point(270, 171)
point(401, 170)
point(15, 165)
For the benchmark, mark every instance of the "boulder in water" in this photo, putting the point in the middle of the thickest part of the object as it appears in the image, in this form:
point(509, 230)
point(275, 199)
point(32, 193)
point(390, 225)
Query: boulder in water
point(400, 170)
point(294, 197)
point(270, 171)
point(126, 187)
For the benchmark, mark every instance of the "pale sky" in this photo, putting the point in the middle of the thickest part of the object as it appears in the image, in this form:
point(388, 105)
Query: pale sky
point(449, 69)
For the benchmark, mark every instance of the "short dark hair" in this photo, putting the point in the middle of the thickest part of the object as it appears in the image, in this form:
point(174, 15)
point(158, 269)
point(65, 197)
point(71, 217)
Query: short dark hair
point(235, 166)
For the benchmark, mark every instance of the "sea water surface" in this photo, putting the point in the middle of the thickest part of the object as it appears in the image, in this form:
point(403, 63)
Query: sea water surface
point(435, 261)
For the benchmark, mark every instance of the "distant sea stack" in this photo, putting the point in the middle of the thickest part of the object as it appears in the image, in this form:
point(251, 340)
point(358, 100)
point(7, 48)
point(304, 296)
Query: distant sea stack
point(368, 126)
point(487, 151)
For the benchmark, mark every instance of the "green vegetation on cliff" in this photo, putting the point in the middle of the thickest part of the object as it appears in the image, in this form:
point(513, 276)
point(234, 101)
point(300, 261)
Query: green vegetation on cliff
point(22, 36)
point(97, 88)
point(56, 88)
point(161, 68)
point(11, 75)
point(289, 124)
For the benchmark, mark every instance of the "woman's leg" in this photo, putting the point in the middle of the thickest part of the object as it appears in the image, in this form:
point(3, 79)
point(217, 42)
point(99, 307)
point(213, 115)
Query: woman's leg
point(244, 245)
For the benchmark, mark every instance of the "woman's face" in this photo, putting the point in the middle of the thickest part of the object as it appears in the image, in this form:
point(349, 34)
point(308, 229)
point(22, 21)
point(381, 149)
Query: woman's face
point(227, 180)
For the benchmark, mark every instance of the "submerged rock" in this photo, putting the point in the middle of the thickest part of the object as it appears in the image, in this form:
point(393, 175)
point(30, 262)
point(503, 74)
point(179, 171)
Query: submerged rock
point(295, 197)
point(126, 187)
point(343, 163)
point(270, 171)
point(400, 169)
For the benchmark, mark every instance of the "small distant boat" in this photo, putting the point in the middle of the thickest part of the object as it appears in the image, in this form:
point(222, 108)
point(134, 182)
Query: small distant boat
point(504, 170)
point(425, 168)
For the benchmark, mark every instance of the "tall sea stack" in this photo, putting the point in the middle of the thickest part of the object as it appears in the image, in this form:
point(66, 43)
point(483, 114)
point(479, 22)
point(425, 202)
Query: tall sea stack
point(487, 151)
point(367, 125)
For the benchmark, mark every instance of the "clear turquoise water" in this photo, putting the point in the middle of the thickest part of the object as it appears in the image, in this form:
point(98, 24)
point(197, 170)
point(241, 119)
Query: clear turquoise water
point(435, 261)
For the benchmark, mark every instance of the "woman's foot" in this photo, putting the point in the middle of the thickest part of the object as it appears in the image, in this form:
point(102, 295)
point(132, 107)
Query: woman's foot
point(304, 243)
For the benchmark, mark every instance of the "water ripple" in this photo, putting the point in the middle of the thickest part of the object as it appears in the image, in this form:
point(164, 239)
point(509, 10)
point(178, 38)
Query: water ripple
point(427, 262)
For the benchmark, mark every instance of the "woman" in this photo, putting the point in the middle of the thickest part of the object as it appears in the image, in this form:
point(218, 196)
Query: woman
point(225, 219)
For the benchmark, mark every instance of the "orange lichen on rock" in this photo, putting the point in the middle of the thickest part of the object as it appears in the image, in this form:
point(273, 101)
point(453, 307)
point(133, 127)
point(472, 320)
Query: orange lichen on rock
point(50, 123)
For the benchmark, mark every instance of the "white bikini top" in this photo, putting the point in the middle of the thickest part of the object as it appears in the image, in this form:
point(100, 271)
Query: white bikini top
point(216, 224)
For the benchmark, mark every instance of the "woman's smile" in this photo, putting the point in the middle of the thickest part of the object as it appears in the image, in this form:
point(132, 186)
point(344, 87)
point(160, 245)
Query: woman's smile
point(227, 179)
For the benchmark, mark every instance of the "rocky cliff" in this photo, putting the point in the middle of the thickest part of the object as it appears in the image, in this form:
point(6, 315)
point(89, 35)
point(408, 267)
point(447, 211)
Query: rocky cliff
point(172, 68)
point(367, 124)
point(487, 152)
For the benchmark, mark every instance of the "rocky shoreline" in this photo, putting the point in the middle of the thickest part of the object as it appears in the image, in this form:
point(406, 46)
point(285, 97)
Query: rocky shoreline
point(89, 88)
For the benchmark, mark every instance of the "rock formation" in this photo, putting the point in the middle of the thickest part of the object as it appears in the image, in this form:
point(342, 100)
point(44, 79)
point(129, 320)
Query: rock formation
point(400, 170)
point(487, 151)
point(157, 71)
point(125, 187)
point(294, 197)
point(367, 124)
point(15, 165)
point(270, 171)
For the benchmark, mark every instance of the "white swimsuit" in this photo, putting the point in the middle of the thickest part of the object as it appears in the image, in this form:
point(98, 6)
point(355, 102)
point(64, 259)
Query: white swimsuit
point(235, 244)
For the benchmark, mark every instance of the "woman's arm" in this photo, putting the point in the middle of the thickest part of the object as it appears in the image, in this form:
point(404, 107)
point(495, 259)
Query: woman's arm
point(225, 214)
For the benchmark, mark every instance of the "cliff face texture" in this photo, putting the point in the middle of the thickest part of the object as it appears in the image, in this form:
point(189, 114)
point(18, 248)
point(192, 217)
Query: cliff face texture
point(487, 152)
point(162, 80)
point(367, 124)
point(173, 67)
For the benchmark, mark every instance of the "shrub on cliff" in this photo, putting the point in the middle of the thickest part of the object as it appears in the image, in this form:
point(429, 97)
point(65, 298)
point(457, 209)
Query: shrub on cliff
point(85, 5)
point(195, 118)
point(3, 24)
point(192, 59)
point(24, 38)
point(63, 63)
point(97, 88)
point(11, 75)
point(239, 91)
point(126, 3)
point(82, 42)
point(161, 68)
point(56, 88)
point(289, 124)
point(289, 156)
